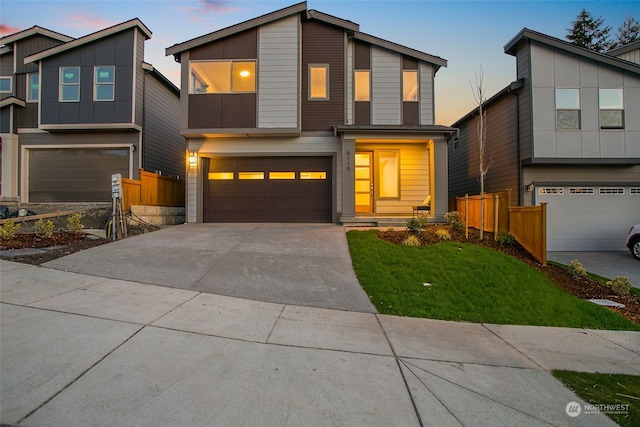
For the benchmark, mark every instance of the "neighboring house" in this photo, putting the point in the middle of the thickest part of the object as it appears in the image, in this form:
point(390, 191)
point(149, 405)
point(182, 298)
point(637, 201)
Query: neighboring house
point(566, 133)
point(629, 52)
point(74, 111)
point(297, 116)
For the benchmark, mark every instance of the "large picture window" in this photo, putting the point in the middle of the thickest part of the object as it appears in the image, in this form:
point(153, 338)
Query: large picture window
point(222, 77)
point(318, 82)
point(363, 85)
point(567, 109)
point(33, 86)
point(104, 83)
point(410, 86)
point(611, 109)
point(69, 84)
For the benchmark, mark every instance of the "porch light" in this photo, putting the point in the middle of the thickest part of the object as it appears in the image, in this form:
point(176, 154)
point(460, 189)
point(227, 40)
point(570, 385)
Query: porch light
point(193, 160)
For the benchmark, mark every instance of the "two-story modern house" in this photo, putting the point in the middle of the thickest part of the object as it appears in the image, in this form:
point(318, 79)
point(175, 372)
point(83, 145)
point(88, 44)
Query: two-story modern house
point(566, 133)
point(75, 111)
point(297, 116)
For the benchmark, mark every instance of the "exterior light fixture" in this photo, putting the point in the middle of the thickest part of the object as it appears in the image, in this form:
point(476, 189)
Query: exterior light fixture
point(193, 160)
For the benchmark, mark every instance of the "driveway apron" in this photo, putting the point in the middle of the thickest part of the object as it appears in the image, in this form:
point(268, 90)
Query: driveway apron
point(301, 264)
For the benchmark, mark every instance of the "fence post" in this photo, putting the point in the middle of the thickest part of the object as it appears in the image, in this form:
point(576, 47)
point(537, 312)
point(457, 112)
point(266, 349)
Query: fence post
point(496, 206)
point(544, 233)
point(466, 216)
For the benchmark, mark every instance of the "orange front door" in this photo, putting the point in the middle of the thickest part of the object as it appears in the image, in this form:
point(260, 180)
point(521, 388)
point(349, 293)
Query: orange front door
point(364, 181)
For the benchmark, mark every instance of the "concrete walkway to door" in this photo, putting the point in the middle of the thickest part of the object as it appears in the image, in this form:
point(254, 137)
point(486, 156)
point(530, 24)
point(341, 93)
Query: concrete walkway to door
point(301, 264)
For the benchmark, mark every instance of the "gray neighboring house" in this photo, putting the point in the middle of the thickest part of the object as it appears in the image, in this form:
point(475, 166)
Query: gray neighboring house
point(74, 111)
point(567, 133)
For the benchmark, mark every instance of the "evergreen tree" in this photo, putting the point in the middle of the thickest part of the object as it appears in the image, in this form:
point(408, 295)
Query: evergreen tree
point(628, 32)
point(589, 32)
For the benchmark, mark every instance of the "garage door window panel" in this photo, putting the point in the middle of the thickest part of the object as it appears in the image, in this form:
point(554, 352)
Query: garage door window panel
point(282, 175)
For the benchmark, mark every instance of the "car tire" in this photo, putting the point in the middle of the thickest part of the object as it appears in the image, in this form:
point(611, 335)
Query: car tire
point(635, 248)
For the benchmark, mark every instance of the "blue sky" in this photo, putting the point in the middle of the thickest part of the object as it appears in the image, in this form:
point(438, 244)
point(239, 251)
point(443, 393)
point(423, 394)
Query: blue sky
point(466, 33)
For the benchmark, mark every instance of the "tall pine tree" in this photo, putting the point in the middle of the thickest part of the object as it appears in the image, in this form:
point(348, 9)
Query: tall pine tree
point(589, 32)
point(628, 32)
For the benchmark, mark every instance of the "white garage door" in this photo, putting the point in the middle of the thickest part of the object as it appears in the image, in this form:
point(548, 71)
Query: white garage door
point(589, 218)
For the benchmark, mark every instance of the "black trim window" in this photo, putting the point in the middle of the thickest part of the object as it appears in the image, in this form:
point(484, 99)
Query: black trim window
point(238, 76)
point(69, 84)
point(611, 108)
point(568, 109)
point(104, 82)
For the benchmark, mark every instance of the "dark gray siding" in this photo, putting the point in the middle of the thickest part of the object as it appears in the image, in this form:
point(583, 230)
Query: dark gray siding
point(501, 150)
point(6, 70)
point(139, 77)
point(163, 146)
point(115, 50)
point(29, 46)
point(5, 117)
point(523, 58)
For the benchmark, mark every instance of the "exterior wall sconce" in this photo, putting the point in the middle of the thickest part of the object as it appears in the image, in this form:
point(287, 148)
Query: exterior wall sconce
point(530, 187)
point(193, 160)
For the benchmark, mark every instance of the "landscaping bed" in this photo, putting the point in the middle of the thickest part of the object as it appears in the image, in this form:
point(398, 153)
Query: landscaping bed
point(59, 244)
point(584, 287)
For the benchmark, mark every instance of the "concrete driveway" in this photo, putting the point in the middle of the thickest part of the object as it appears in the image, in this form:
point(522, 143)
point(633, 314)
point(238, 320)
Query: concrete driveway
point(605, 264)
point(301, 264)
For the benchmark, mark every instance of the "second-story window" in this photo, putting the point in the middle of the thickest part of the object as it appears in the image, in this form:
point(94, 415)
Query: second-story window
point(222, 76)
point(69, 84)
point(611, 109)
point(410, 85)
point(363, 85)
point(5, 85)
point(104, 81)
point(33, 86)
point(568, 109)
point(319, 82)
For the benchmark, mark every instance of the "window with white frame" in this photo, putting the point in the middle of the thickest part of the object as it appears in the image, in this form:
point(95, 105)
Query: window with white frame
point(33, 87)
point(222, 76)
point(104, 81)
point(362, 85)
point(410, 85)
point(611, 108)
point(69, 84)
point(6, 84)
point(568, 109)
point(319, 82)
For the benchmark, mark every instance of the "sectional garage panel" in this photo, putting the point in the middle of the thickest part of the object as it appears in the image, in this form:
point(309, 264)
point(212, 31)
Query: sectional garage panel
point(267, 189)
point(589, 218)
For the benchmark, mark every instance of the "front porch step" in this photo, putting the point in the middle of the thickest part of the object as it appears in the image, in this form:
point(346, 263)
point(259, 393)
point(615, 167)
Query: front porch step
point(394, 221)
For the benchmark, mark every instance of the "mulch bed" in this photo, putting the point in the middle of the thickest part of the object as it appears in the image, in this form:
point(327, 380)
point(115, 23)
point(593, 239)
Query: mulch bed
point(61, 243)
point(584, 288)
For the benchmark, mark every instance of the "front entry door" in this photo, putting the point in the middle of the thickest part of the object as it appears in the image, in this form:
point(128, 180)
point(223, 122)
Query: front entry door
point(364, 181)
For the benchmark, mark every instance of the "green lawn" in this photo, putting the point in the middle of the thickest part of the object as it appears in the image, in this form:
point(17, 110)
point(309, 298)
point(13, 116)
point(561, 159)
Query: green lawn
point(607, 389)
point(468, 283)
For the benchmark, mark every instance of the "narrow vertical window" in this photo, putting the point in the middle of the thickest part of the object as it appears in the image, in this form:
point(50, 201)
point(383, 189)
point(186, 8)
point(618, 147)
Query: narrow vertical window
point(410, 86)
point(69, 84)
point(568, 109)
point(611, 109)
point(33, 86)
point(363, 85)
point(104, 83)
point(318, 82)
point(388, 174)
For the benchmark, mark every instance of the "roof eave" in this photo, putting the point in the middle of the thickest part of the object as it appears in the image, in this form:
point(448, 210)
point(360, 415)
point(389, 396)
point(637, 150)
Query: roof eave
point(176, 49)
point(439, 62)
point(133, 23)
point(11, 38)
point(342, 23)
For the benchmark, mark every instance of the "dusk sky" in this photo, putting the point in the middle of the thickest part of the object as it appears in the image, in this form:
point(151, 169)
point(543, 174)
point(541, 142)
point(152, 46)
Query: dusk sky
point(466, 33)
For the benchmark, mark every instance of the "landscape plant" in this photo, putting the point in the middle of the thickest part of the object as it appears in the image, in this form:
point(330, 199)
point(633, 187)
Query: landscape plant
point(44, 228)
point(74, 222)
point(505, 238)
point(576, 269)
point(411, 240)
point(443, 234)
point(454, 219)
point(620, 285)
point(9, 229)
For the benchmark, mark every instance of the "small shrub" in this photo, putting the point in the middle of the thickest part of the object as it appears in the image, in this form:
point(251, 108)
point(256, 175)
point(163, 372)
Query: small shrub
point(44, 227)
point(454, 219)
point(74, 222)
point(9, 229)
point(411, 240)
point(506, 239)
point(620, 285)
point(577, 269)
point(443, 234)
point(414, 225)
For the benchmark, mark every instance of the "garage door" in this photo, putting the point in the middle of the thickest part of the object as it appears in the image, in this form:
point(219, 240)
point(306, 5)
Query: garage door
point(589, 218)
point(282, 189)
point(74, 175)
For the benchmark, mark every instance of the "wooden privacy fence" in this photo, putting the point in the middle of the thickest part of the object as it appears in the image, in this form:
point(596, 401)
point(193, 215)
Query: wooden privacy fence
point(152, 190)
point(528, 224)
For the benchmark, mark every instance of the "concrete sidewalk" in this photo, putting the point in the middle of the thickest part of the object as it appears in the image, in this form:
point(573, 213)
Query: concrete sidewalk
point(81, 350)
